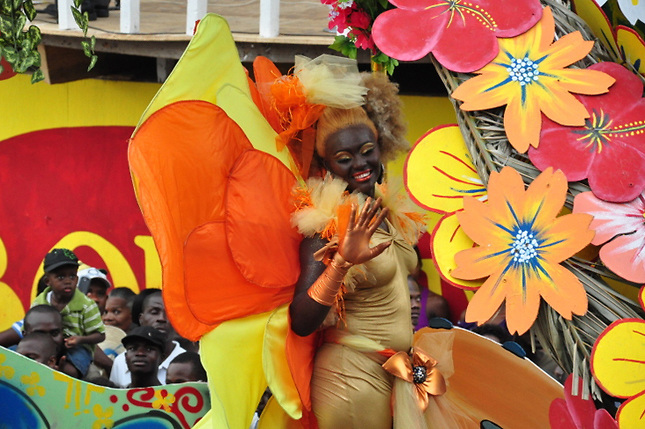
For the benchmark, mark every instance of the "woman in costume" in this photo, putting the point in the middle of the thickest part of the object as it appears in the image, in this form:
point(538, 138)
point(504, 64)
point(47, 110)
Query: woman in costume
point(364, 279)
point(215, 188)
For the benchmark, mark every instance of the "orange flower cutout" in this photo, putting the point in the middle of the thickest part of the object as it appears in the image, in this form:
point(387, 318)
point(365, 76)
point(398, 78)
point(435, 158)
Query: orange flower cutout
point(419, 369)
point(521, 244)
point(530, 75)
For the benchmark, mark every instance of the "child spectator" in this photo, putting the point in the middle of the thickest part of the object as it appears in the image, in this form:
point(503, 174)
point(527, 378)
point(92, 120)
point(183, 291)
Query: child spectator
point(184, 368)
point(95, 284)
point(148, 308)
point(39, 347)
point(118, 309)
point(143, 351)
point(45, 319)
point(82, 325)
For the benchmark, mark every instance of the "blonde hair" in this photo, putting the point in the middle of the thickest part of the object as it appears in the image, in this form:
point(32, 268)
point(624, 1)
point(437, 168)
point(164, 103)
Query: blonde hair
point(382, 113)
point(334, 119)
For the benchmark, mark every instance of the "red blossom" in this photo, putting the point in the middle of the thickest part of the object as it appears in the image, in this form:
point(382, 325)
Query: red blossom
point(609, 150)
point(359, 19)
point(461, 35)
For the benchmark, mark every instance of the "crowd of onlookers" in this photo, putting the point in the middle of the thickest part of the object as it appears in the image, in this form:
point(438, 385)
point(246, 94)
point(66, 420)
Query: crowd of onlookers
point(80, 325)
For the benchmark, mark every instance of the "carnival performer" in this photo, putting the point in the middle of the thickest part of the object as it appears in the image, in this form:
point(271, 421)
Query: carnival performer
point(222, 195)
point(365, 278)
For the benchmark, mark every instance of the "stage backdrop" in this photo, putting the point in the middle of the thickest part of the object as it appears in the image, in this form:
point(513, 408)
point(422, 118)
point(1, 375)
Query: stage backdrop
point(64, 182)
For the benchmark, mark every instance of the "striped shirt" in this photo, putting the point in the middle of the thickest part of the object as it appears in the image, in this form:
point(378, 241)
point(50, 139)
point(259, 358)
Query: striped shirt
point(81, 316)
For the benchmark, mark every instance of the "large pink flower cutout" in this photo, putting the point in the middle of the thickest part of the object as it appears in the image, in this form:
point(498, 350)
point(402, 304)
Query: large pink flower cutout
point(623, 227)
point(575, 412)
point(461, 34)
point(609, 149)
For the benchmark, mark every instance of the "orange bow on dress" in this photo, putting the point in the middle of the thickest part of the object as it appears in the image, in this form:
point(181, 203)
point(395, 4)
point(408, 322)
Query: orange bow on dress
point(419, 369)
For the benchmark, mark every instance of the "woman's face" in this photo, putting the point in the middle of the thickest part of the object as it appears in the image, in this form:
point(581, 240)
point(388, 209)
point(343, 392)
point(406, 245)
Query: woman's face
point(353, 154)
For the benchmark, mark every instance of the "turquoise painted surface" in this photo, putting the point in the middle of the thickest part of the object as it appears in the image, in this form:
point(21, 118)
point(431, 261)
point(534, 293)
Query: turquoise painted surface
point(36, 397)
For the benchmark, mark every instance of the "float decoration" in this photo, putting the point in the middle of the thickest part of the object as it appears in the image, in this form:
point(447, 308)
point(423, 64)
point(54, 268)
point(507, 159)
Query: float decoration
point(530, 75)
point(620, 229)
point(36, 396)
point(568, 341)
point(462, 36)
point(609, 149)
point(353, 19)
point(577, 410)
point(438, 173)
point(618, 27)
point(618, 365)
point(521, 244)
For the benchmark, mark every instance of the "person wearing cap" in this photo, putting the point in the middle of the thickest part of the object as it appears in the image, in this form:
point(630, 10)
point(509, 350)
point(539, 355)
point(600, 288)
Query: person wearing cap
point(95, 284)
point(82, 325)
point(149, 310)
point(143, 353)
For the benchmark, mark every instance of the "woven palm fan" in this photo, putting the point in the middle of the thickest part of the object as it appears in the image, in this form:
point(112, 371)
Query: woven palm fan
point(569, 342)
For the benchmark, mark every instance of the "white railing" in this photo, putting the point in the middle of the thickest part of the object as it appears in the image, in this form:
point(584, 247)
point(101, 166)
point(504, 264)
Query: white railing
point(195, 10)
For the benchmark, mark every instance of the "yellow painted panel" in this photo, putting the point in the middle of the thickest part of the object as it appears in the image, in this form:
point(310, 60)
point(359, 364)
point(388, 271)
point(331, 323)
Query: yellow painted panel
point(26, 107)
point(422, 114)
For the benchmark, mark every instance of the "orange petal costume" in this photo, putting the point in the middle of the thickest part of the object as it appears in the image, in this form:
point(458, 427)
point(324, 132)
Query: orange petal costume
point(215, 188)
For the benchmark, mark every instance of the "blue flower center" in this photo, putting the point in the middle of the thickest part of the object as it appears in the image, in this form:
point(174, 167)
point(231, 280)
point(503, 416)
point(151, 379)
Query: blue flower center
point(524, 246)
point(523, 70)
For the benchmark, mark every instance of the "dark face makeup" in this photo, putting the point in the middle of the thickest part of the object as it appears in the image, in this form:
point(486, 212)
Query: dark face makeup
point(353, 154)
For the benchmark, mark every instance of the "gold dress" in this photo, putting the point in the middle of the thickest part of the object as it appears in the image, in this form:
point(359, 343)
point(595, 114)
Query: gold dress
point(349, 388)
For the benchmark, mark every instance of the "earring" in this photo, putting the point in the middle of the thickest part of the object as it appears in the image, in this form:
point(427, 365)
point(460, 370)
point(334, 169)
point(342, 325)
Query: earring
point(381, 174)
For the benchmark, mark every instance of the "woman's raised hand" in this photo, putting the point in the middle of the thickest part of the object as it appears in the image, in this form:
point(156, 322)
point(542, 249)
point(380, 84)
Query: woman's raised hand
point(355, 246)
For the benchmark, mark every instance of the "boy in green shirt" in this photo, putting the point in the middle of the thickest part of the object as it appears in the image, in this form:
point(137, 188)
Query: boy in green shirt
point(82, 323)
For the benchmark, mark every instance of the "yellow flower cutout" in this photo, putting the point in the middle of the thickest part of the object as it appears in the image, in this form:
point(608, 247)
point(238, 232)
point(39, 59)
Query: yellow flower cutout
point(164, 400)
point(618, 364)
point(31, 381)
point(530, 76)
point(103, 417)
point(5, 370)
point(438, 174)
point(521, 244)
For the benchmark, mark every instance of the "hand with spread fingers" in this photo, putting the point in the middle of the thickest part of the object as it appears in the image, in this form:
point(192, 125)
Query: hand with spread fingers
point(355, 246)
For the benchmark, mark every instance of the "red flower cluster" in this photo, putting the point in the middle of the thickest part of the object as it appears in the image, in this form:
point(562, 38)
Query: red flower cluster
point(347, 16)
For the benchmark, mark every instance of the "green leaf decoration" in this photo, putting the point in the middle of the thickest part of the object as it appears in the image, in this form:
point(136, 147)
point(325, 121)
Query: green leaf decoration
point(26, 45)
point(35, 35)
point(30, 10)
point(78, 17)
point(35, 57)
point(37, 76)
point(19, 25)
point(86, 48)
point(6, 26)
point(6, 7)
point(92, 62)
point(92, 42)
point(10, 54)
point(17, 4)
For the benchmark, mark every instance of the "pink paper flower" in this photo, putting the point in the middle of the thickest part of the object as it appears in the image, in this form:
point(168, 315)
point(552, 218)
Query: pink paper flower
point(623, 227)
point(461, 34)
point(609, 149)
point(574, 412)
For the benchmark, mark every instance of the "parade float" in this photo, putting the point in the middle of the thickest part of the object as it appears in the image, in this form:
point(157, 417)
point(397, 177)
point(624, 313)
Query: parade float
point(539, 185)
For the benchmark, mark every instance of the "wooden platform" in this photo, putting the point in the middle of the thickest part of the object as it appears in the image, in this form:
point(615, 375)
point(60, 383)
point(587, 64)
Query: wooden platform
point(162, 38)
point(151, 54)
